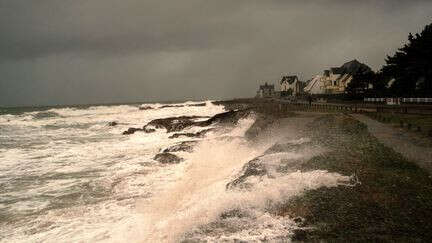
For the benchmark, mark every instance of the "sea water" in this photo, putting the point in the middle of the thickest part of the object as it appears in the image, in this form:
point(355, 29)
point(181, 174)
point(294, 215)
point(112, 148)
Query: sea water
point(67, 176)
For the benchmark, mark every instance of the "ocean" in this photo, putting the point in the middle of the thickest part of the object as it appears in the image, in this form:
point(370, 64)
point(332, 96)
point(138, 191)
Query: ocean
point(66, 175)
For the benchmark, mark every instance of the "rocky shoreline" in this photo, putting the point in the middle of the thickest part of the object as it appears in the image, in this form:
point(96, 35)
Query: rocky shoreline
point(388, 198)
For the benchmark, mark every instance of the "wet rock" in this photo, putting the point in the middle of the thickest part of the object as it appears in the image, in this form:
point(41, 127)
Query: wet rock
point(199, 104)
point(186, 146)
point(299, 235)
point(230, 117)
point(168, 158)
point(148, 130)
point(199, 134)
point(298, 220)
point(234, 213)
point(173, 124)
point(143, 108)
point(132, 130)
point(170, 106)
point(252, 168)
point(112, 124)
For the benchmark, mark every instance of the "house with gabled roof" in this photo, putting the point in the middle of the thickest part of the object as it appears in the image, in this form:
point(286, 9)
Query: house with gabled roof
point(335, 80)
point(290, 86)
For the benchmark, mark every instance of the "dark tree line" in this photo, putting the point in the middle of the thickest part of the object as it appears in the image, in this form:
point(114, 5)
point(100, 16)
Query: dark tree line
point(408, 72)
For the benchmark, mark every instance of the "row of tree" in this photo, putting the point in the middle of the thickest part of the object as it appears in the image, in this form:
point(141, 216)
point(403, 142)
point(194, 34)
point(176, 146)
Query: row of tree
point(407, 73)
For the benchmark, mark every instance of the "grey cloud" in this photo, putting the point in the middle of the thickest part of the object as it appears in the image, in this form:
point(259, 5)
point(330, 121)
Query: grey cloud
point(91, 51)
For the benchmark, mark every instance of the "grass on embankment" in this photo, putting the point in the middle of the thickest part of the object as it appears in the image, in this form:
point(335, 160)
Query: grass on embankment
point(392, 202)
point(413, 122)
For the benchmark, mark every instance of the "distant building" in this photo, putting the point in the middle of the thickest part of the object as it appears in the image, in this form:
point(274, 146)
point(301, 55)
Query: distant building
point(266, 91)
point(291, 86)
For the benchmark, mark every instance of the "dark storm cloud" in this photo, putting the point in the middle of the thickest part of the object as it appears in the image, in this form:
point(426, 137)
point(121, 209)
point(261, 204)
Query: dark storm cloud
point(81, 51)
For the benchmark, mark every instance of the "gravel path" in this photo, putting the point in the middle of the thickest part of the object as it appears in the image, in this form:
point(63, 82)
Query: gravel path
point(391, 137)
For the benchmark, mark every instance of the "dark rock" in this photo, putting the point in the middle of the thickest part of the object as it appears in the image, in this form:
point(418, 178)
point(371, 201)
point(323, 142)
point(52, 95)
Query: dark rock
point(170, 106)
point(132, 130)
point(143, 108)
point(234, 213)
point(148, 130)
point(112, 124)
point(199, 134)
point(177, 135)
point(173, 124)
point(167, 158)
point(199, 104)
point(186, 146)
point(298, 220)
point(231, 117)
point(299, 235)
point(251, 168)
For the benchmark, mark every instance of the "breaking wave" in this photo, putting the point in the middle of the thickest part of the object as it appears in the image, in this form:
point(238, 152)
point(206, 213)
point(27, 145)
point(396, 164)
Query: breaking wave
point(69, 176)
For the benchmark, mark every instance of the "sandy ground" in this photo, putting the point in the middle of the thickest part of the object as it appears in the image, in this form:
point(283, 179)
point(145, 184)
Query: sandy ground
point(391, 137)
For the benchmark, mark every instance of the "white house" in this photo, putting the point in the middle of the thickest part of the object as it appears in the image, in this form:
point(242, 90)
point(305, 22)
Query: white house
point(290, 86)
point(315, 86)
point(335, 80)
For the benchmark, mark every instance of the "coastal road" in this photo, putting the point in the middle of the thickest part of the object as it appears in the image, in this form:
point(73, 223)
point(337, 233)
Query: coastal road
point(399, 142)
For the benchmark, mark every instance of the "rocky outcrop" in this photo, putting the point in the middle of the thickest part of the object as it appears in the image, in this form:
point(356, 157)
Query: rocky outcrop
point(230, 117)
point(199, 104)
point(252, 168)
point(167, 158)
point(170, 106)
point(132, 130)
point(186, 146)
point(199, 134)
point(143, 108)
point(174, 124)
point(112, 124)
point(148, 130)
point(177, 106)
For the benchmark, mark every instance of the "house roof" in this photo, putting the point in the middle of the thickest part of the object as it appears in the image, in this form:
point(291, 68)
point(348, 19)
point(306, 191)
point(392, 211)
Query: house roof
point(289, 79)
point(336, 70)
point(355, 66)
point(314, 84)
point(350, 67)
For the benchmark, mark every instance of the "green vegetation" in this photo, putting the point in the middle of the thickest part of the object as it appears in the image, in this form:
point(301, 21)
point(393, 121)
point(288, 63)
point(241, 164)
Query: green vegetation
point(408, 72)
point(391, 199)
point(411, 66)
point(421, 124)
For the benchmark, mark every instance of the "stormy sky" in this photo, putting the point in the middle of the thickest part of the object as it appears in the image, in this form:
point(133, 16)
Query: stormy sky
point(105, 51)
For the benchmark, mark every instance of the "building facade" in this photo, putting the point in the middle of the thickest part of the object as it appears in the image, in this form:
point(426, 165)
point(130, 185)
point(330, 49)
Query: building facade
point(266, 91)
point(335, 80)
point(290, 86)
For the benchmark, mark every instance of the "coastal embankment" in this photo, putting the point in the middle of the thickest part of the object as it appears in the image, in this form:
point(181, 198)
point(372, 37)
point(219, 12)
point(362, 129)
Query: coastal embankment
point(389, 197)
